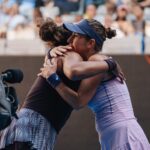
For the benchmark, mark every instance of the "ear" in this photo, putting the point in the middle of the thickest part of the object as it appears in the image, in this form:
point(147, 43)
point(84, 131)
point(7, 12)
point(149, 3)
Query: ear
point(91, 43)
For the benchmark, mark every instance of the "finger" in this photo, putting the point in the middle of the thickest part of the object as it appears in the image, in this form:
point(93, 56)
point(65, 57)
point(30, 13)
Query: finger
point(41, 69)
point(53, 55)
point(45, 64)
point(59, 53)
point(66, 47)
point(63, 54)
point(54, 61)
point(39, 74)
point(62, 49)
point(49, 62)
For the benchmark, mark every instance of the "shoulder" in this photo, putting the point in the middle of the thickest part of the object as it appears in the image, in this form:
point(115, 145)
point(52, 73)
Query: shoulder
point(72, 55)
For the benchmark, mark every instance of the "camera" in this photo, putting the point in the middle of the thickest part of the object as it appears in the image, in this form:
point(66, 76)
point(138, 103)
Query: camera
point(8, 97)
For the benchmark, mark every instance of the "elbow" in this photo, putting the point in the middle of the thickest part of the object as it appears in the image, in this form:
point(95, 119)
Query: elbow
point(78, 106)
point(73, 74)
point(80, 102)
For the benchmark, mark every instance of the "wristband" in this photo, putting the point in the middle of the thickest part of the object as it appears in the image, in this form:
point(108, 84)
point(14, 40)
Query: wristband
point(111, 64)
point(54, 80)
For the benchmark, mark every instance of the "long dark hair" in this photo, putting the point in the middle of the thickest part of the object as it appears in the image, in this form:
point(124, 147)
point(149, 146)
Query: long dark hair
point(50, 32)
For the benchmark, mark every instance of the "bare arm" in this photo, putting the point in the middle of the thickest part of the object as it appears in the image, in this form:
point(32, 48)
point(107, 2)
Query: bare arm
point(76, 99)
point(80, 98)
point(75, 68)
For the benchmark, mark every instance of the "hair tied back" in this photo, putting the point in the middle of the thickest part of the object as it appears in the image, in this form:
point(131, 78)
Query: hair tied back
point(110, 33)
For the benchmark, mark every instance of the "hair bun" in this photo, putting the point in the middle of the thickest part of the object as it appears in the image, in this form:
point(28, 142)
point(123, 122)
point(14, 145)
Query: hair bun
point(110, 33)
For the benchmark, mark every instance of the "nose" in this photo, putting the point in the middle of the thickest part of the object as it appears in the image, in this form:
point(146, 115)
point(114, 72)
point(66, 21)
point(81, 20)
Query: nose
point(70, 39)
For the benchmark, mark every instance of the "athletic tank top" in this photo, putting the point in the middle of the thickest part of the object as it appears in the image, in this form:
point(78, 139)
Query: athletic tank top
point(111, 104)
point(43, 99)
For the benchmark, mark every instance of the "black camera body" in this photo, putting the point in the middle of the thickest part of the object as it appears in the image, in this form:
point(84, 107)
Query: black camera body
point(8, 98)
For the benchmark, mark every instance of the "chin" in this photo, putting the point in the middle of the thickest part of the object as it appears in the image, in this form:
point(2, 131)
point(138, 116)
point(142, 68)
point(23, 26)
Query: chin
point(73, 49)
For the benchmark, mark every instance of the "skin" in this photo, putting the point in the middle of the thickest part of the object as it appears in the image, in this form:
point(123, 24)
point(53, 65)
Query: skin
point(77, 69)
point(89, 85)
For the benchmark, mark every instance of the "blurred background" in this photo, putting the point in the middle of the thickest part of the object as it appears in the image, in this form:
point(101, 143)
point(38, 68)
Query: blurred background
point(130, 18)
point(20, 47)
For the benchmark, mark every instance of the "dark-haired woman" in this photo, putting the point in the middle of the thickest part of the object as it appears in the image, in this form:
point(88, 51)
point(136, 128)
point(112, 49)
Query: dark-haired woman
point(44, 112)
point(106, 95)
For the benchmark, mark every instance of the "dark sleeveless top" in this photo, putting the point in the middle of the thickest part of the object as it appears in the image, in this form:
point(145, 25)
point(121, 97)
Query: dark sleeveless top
point(43, 99)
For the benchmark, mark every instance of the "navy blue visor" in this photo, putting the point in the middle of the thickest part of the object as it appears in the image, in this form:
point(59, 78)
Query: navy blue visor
point(84, 28)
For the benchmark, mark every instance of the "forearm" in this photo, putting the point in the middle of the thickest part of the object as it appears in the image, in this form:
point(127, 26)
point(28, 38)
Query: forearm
point(70, 96)
point(84, 94)
point(86, 69)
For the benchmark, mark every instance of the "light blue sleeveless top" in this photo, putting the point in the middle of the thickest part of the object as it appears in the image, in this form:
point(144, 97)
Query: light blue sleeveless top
point(111, 104)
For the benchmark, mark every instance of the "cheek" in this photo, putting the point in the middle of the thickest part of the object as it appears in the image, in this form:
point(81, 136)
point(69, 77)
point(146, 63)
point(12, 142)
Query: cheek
point(76, 43)
point(79, 45)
